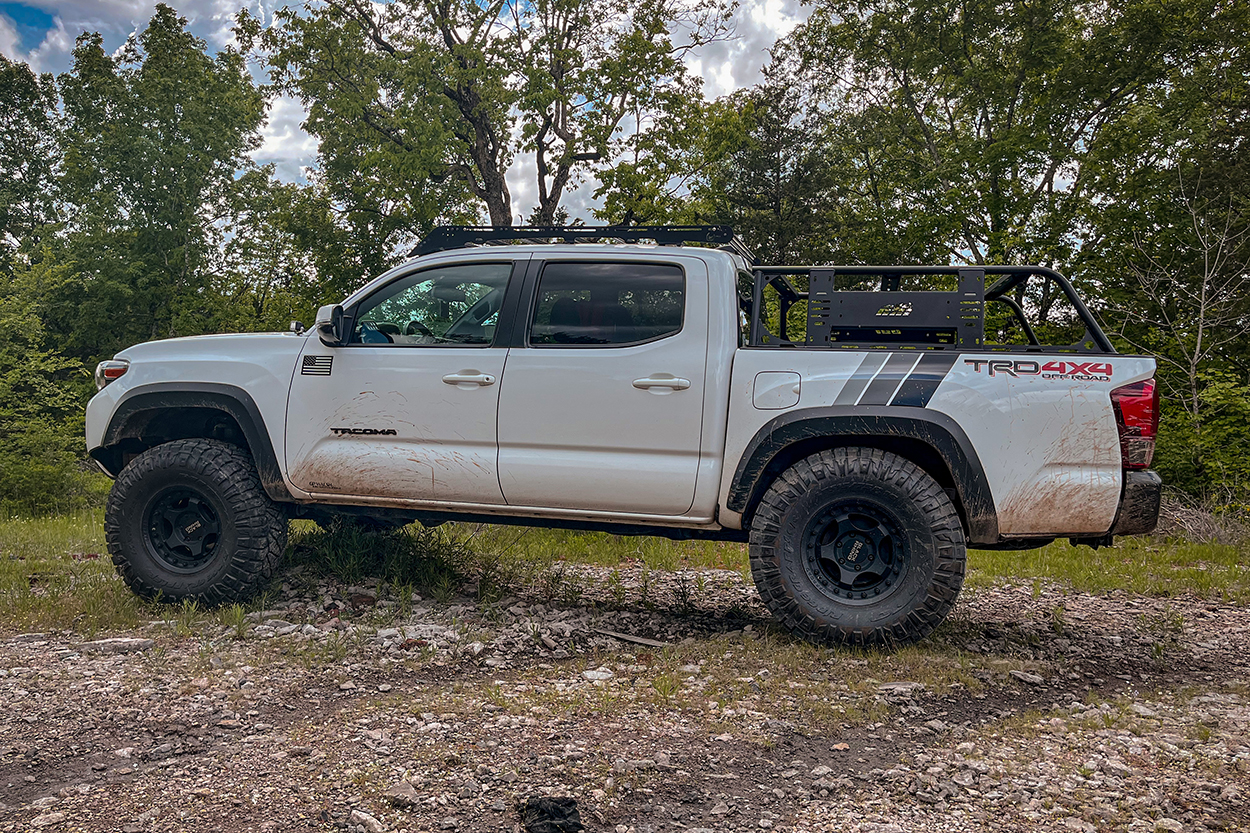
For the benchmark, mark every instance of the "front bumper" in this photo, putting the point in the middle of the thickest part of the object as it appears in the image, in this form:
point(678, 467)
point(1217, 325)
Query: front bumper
point(1139, 504)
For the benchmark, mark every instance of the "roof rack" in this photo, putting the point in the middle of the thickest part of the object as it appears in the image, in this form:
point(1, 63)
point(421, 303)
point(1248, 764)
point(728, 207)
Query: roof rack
point(443, 238)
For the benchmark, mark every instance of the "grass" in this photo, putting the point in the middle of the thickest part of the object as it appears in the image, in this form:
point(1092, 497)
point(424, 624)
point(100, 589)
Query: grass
point(1141, 566)
point(55, 573)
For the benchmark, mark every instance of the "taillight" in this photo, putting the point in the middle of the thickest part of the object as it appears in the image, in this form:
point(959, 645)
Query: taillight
point(110, 371)
point(1137, 416)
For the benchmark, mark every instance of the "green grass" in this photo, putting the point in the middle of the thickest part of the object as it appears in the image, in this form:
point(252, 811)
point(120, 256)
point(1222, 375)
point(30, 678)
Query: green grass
point(546, 546)
point(1142, 566)
point(55, 573)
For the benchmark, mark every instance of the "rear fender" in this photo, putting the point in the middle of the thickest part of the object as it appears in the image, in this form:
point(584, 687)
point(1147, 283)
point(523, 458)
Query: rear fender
point(922, 433)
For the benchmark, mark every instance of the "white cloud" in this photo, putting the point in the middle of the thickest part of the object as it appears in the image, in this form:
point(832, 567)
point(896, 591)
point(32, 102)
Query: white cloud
point(284, 141)
point(724, 67)
point(10, 43)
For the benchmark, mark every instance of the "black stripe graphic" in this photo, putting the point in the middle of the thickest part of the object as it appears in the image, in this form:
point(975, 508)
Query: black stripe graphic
point(887, 381)
point(860, 378)
point(918, 388)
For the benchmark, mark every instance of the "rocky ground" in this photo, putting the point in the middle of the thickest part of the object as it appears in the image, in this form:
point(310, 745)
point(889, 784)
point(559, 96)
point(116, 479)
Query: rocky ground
point(655, 702)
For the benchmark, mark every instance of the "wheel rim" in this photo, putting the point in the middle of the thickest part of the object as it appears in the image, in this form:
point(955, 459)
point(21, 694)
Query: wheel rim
point(855, 550)
point(182, 529)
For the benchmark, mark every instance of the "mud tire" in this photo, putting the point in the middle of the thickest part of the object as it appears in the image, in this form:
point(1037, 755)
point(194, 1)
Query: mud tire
point(919, 522)
point(250, 529)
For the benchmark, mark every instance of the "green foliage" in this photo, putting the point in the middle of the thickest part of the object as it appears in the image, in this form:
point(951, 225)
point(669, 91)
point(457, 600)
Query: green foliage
point(28, 160)
point(153, 137)
point(421, 109)
point(40, 411)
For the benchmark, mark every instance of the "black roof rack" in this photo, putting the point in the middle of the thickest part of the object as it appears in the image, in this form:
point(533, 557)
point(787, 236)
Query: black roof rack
point(443, 238)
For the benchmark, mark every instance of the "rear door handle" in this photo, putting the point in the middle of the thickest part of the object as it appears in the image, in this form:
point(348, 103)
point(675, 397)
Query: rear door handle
point(661, 380)
point(469, 378)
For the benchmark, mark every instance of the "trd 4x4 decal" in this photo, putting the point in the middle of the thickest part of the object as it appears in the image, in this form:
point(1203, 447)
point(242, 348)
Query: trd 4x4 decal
point(1080, 371)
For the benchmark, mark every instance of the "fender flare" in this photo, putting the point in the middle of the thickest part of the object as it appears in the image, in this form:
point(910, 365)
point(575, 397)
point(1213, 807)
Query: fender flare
point(138, 405)
point(879, 424)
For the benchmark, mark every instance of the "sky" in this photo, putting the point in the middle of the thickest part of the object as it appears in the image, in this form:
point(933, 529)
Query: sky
point(42, 33)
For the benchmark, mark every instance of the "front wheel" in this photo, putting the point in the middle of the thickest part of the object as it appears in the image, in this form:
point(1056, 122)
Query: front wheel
point(189, 519)
point(857, 546)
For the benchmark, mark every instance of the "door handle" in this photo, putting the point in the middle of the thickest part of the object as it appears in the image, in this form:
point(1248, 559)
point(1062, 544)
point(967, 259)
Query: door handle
point(468, 378)
point(661, 380)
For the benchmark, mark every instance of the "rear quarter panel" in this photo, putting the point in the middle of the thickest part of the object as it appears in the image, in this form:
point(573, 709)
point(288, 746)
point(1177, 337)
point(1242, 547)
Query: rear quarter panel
point(1042, 425)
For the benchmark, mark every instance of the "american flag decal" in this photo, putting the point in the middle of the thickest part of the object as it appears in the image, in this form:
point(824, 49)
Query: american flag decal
point(317, 365)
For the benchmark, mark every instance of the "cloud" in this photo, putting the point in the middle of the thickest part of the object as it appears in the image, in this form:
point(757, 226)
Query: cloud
point(284, 142)
point(10, 42)
point(724, 67)
point(116, 20)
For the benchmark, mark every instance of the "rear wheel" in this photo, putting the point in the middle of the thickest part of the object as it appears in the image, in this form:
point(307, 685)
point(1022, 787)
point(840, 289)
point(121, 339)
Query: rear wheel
point(857, 546)
point(190, 519)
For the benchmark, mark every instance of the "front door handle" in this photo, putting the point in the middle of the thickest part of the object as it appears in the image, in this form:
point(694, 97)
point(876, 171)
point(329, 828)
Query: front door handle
point(661, 380)
point(469, 379)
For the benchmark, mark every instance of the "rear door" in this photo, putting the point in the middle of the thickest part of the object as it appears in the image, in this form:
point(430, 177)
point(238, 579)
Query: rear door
point(601, 406)
point(407, 411)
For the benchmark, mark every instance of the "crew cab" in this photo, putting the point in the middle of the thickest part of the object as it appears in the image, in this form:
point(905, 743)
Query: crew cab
point(859, 426)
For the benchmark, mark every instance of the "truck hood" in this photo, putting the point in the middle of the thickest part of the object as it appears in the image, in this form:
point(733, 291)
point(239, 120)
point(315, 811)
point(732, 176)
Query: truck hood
point(230, 345)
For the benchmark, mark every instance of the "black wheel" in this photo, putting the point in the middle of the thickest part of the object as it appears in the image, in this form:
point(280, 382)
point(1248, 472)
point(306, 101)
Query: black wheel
point(189, 519)
point(857, 546)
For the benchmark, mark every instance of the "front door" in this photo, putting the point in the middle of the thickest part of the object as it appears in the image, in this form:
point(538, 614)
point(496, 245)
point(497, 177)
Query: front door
point(407, 410)
point(602, 409)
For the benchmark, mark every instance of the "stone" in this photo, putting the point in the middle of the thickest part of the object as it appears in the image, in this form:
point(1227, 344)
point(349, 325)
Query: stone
point(370, 824)
point(720, 809)
point(1170, 825)
point(901, 687)
point(402, 794)
point(47, 820)
point(117, 645)
point(448, 823)
point(598, 674)
point(1026, 677)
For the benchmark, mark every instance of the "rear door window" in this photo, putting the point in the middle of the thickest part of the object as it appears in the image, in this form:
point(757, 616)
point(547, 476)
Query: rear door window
point(607, 304)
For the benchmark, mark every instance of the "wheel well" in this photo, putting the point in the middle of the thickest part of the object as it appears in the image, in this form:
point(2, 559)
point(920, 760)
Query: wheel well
point(917, 451)
point(150, 428)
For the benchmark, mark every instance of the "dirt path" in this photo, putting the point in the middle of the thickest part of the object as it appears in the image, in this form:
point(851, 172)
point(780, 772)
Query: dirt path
point(346, 709)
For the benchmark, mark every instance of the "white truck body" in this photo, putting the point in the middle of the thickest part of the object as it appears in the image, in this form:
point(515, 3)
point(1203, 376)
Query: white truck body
point(568, 435)
point(681, 426)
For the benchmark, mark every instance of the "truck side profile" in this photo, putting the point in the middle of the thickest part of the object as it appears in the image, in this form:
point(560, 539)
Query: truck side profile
point(860, 439)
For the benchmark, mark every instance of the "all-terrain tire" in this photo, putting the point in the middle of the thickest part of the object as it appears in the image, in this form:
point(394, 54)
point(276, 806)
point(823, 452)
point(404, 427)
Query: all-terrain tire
point(189, 519)
point(857, 546)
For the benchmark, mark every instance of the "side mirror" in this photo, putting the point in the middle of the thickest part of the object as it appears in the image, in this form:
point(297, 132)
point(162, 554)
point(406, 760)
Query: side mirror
point(329, 325)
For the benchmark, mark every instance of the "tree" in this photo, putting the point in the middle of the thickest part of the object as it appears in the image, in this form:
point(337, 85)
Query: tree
point(153, 138)
point(284, 253)
point(28, 159)
point(984, 113)
point(1169, 245)
point(429, 102)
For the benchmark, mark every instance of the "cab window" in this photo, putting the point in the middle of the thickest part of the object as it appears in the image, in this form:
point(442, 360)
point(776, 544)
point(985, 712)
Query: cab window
point(448, 305)
point(607, 304)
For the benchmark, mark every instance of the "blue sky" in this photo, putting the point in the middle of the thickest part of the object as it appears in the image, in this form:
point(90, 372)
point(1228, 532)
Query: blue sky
point(31, 24)
point(42, 33)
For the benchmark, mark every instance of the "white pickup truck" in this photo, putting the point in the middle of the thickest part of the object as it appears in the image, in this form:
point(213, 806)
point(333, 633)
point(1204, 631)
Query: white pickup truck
point(860, 436)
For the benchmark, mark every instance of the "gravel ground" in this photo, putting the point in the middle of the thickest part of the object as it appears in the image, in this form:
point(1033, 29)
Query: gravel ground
point(655, 701)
